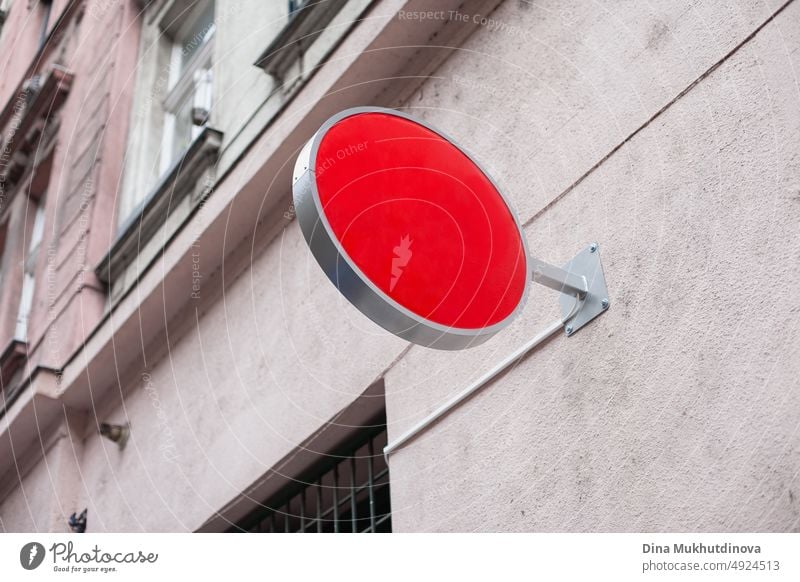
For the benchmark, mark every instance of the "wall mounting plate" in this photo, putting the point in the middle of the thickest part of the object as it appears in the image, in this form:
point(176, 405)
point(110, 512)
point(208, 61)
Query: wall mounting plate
point(586, 263)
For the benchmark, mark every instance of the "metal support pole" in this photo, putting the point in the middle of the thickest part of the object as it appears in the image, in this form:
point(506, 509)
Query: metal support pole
point(498, 369)
point(584, 297)
point(557, 278)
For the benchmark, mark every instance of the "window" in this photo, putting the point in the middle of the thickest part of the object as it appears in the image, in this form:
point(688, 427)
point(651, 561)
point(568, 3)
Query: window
point(3, 230)
point(172, 105)
point(346, 492)
point(29, 270)
point(312, 32)
point(173, 148)
point(188, 101)
point(46, 6)
point(295, 5)
point(4, 7)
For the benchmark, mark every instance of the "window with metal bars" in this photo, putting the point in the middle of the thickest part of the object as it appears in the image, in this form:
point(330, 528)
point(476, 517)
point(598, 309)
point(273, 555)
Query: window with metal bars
point(346, 492)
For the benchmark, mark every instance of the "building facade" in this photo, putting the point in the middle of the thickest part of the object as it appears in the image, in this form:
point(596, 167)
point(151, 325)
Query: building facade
point(173, 359)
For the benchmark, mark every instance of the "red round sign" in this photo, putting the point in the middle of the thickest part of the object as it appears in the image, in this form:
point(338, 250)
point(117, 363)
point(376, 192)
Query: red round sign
point(410, 229)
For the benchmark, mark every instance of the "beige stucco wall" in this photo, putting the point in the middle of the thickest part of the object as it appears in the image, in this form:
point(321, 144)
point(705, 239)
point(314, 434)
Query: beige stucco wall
point(27, 507)
point(46, 486)
point(676, 410)
point(264, 367)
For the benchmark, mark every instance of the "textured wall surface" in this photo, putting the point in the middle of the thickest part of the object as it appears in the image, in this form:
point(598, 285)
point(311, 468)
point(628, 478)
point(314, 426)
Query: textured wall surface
point(678, 409)
point(669, 134)
point(261, 370)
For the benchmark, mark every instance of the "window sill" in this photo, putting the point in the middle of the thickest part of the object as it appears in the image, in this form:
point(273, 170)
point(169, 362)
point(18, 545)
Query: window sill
point(35, 113)
point(190, 176)
point(300, 32)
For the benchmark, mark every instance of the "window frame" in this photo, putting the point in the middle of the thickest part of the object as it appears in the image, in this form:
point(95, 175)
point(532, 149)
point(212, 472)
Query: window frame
point(5, 6)
point(305, 23)
point(46, 6)
point(29, 263)
point(183, 82)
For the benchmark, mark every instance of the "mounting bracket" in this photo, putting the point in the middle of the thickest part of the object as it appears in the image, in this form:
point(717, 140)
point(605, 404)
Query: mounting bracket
point(580, 278)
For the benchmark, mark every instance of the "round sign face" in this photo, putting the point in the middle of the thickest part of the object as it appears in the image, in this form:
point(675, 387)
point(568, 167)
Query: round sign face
point(410, 229)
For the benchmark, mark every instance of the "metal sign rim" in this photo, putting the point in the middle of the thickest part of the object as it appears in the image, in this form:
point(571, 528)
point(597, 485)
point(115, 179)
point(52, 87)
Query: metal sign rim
point(348, 277)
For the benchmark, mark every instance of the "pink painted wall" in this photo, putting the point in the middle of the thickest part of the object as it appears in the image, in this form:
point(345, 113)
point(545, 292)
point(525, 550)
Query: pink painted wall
point(99, 46)
point(97, 43)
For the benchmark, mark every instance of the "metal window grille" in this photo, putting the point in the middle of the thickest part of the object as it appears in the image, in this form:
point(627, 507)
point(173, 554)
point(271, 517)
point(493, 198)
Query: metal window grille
point(348, 492)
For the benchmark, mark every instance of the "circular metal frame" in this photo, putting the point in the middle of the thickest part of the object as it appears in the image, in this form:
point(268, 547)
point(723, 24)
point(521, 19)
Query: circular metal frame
point(348, 277)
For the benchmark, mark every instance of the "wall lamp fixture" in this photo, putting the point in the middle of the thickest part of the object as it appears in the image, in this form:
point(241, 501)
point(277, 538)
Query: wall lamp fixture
point(117, 433)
